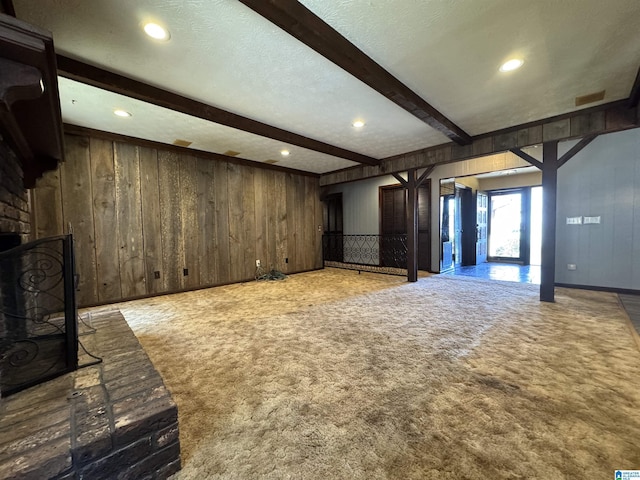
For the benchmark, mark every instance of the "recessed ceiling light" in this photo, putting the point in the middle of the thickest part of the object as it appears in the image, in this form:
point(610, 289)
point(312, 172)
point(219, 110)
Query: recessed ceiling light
point(284, 153)
point(511, 65)
point(156, 31)
point(358, 124)
point(121, 113)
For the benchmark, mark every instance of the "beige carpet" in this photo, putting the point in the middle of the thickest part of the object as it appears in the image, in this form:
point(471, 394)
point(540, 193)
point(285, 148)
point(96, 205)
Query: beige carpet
point(332, 374)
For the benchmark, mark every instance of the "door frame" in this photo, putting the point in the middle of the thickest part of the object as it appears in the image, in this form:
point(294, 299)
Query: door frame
point(525, 225)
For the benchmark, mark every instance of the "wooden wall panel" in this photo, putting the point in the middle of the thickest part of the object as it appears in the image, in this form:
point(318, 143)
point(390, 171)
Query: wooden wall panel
point(291, 227)
point(151, 224)
point(248, 223)
point(129, 219)
point(269, 207)
point(222, 238)
point(137, 210)
point(282, 222)
point(261, 220)
point(206, 214)
point(170, 220)
point(190, 227)
point(300, 223)
point(236, 224)
point(77, 210)
point(104, 211)
point(47, 217)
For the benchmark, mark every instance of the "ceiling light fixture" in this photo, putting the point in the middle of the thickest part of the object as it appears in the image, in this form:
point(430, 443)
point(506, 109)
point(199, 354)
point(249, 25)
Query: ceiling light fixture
point(156, 31)
point(121, 113)
point(358, 124)
point(284, 153)
point(511, 65)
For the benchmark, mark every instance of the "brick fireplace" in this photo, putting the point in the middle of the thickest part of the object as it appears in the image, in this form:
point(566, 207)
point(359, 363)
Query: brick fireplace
point(14, 199)
point(108, 419)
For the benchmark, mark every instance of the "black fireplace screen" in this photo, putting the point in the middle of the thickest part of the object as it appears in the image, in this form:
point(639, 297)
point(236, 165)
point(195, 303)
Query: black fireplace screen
point(38, 326)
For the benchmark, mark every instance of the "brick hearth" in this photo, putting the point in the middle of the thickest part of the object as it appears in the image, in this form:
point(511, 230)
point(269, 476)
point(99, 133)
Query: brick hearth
point(111, 420)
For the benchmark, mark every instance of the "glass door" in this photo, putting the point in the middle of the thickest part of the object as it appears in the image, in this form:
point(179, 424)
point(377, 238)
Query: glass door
point(506, 224)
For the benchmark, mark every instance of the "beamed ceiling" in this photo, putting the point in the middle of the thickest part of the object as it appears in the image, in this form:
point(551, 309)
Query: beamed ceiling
point(259, 76)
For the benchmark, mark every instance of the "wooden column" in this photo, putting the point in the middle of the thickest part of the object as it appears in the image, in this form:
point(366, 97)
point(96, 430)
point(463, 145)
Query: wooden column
point(412, 184)
point(549, 187)
point(412, 226)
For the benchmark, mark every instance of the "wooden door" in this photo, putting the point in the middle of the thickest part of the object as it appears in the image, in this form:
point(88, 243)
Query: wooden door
point(468, 227)
point(332, 245)
point(424, 226)
point(393, 215)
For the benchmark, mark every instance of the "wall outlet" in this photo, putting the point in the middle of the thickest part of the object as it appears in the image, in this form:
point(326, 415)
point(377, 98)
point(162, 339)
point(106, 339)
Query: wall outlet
point(257, 263)
point(571, 266)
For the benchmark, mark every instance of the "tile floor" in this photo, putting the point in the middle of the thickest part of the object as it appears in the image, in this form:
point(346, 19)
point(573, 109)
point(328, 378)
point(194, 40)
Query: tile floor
point(508, 272)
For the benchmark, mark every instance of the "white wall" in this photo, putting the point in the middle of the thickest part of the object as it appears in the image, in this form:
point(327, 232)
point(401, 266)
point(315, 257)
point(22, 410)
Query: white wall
point(602, 180)
point(361, 204)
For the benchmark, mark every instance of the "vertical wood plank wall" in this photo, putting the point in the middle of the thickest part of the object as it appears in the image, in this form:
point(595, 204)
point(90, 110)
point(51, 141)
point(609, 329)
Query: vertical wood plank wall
point(136, 210)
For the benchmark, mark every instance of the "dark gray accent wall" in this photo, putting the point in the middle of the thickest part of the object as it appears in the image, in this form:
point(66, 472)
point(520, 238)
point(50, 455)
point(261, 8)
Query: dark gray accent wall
point(602, 180)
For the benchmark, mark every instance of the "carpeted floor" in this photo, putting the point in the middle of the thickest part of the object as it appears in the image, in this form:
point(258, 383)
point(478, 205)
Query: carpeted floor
point(335, 375)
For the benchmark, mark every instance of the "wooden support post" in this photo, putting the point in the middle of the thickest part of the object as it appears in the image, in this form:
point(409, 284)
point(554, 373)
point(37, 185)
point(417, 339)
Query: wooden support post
point(549, 187)
point(412, 226)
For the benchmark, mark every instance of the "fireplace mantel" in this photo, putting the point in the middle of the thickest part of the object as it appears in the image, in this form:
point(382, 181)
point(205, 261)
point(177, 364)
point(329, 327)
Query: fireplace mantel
point(30, 118)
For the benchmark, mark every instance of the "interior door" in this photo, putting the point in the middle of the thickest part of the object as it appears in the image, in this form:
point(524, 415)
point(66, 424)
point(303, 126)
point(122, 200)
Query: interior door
point(332, 245)
point(424, 226)
point(482, 203)
point(468, 227)
point(393, 204)
point(393, 223)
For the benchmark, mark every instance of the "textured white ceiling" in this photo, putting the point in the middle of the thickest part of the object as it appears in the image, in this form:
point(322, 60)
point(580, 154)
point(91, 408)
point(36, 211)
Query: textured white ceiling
point(447, 51)
point(93, 108)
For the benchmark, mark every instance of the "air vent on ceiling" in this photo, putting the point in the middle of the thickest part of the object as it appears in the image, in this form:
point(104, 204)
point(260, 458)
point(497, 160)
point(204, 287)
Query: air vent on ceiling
point(271, 161)
point(181, 143)
point(231, 153)
point(592, 97)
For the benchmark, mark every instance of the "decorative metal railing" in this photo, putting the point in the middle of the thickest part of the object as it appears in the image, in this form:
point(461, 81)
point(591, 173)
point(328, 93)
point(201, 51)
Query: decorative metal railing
point(375, 250)
point(38, 326)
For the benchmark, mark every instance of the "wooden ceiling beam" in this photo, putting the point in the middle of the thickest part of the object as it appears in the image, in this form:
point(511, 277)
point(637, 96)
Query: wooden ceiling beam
point(301, 23)
point(575, 149)
point(634, 96)
point(113, 82)
point(526, 157)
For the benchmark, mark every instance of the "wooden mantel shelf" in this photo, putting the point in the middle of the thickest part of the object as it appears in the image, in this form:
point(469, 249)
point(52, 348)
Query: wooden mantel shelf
point(30, 118)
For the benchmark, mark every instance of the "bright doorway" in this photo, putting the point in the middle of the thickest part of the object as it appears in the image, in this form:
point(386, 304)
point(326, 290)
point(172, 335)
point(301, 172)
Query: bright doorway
point(515, 225)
